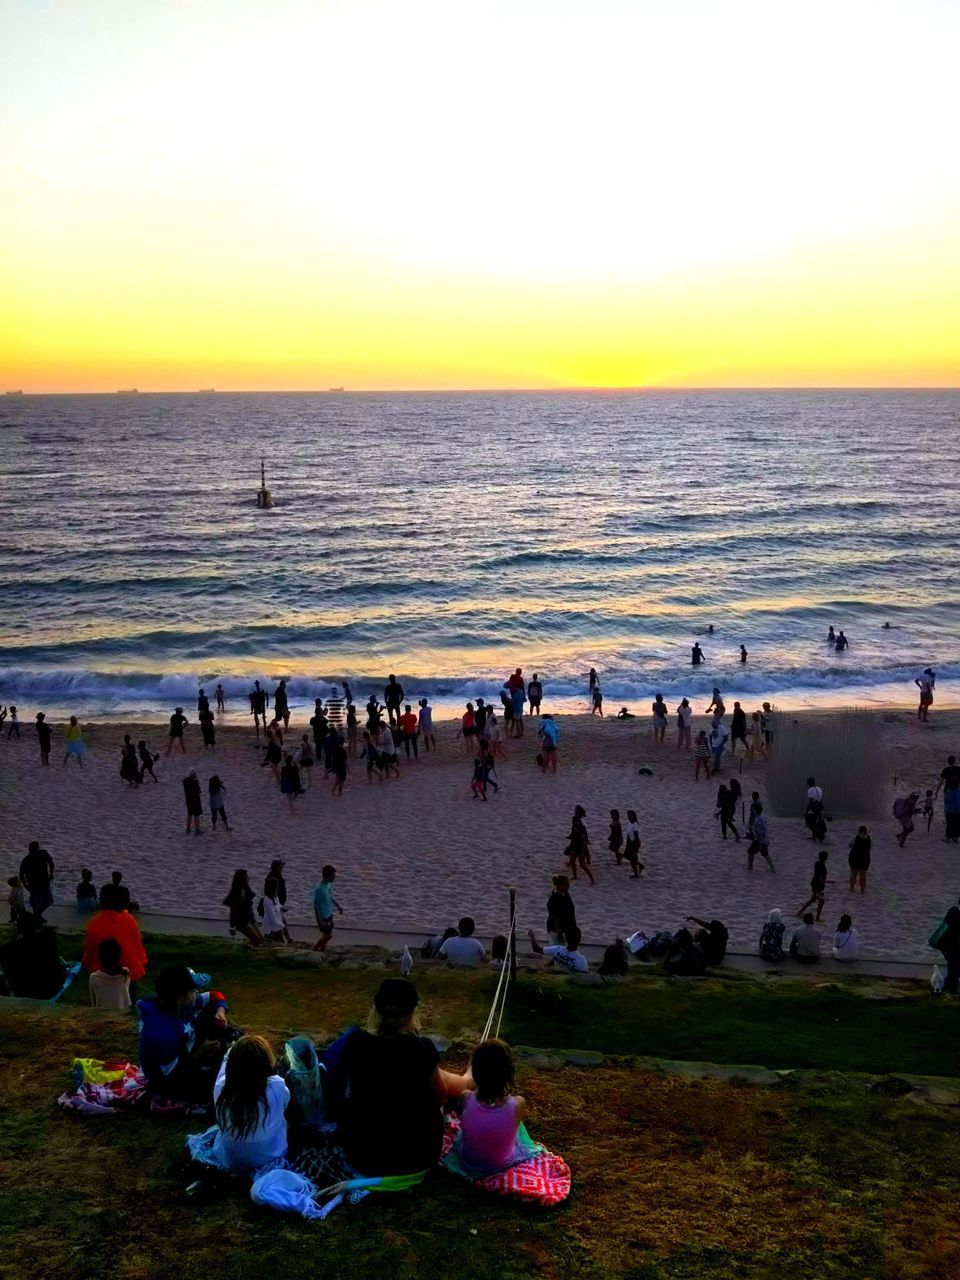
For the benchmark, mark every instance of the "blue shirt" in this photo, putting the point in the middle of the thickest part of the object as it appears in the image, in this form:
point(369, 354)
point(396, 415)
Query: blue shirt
point(323, 899)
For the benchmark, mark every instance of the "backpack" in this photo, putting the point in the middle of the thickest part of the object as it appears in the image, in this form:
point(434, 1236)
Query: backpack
point(659, 944)
point(303, 1073)
point(899, 808)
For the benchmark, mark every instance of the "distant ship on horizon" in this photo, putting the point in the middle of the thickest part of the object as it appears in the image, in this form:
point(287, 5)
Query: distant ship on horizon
point(206, 391)
point(13, 393)
point(128, 391)
point(336, 388)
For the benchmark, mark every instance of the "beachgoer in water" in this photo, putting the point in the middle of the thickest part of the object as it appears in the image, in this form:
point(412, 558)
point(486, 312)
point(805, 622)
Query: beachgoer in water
point(831, 637)
point(44, 737)
point(659, 708)
point(578, 845)
point(743, 654)
point(594, 679)
point(177, 721)
point(425, 725)
point(842, 643)
point(221, 699)
point(217, 793)
point(75, 744)
point(710, 629)
point(859, 859)
point(194, 801)
point(393, 698)
point(697, 655)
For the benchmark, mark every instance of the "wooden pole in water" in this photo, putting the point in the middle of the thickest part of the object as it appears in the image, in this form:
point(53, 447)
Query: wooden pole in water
point(513, 935)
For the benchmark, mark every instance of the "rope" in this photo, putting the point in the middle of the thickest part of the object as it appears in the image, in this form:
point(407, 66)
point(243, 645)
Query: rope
point(497, 999)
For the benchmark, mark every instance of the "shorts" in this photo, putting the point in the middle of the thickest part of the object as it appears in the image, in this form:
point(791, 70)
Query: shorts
point(324, 923)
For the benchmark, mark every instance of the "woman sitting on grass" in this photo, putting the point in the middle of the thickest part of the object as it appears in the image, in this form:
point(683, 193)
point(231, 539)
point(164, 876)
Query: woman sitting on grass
point(249, 1103)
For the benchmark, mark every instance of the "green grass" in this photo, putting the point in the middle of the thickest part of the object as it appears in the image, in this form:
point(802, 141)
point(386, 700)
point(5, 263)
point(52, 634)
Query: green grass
point(825, 1175)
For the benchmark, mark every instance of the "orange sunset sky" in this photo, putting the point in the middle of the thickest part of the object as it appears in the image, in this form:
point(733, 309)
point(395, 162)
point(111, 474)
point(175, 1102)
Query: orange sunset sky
point(538, 193)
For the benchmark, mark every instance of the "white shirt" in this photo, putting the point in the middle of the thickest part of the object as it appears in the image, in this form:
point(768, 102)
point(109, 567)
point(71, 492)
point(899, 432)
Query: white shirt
point(426, 719)
point(845, 945)
point(464, 951)
point(685, 715)
point(632, 829)
point(659, 710)
point(718, 736)
point(564, 959)
point(387, 745)
point(272, 916)
point(815, 793)
point(267, 1141)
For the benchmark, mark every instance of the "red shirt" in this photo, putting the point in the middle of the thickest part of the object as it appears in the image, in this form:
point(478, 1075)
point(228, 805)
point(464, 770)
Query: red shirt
point(468, 720)
point(122, 926)
point(515, 681)
point(408, 722)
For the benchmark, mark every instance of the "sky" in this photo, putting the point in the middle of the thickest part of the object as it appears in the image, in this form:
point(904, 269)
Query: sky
point(455, 194)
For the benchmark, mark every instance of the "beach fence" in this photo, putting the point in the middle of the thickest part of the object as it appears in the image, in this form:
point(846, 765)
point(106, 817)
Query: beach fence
point(841, 751)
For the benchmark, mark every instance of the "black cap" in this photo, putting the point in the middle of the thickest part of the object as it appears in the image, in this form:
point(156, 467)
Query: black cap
point(395, 997)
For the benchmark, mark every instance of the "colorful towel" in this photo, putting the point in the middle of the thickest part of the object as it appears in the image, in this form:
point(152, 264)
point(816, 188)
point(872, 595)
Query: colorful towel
point(537, 1175)
point(110, 1088)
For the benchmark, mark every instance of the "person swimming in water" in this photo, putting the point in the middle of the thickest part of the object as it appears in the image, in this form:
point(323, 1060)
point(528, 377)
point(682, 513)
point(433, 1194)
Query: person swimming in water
point(696, 654)
point(743, 653)
point(831, 636)
point(842, 642)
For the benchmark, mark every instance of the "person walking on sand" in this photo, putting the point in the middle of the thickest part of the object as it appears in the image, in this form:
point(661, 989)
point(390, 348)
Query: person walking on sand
point(44, 738)
point(725, 811)
point(468, 729)
point(904, 810)
point(534, 694)
point(353, 730)
point(549, 733)
point(177, 721)
point(258, 706)
point(597, 701)
point(494, 736)
point(738, 729)
point(76, 747)
point(318, 725)
point(208, 730)
point(272, 756)
point(129, 766)
point(240, 898)
point(371, 757)
point(818, 883)
point(631, 848)
point(393, 698)
point(578, 845)
point(701, 756)
point(290, 782)
point(306, 760)
point(425, 725)
point(478, 780)
point(716, 705)
point(203, 702)
point(13, 729)
point(697, 655)
point(615, 839)
point(194, 801)
point(659, 708)
point(324, 904)
point(684, 718)
point(221, 699)
point(759, 834)
point(859, 859)
point(148, 759)
point(717, 740)
point(217, 793)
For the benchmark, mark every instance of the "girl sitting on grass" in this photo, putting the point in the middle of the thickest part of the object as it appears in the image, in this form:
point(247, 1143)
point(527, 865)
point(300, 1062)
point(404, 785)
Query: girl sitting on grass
point(490, 1115)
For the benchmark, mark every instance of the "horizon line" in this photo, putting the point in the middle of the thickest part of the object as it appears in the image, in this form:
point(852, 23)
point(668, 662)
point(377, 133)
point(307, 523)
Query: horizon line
point(420, 391)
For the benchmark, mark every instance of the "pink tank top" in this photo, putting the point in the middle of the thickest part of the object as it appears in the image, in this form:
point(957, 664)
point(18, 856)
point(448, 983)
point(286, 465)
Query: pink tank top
point(489, 1134)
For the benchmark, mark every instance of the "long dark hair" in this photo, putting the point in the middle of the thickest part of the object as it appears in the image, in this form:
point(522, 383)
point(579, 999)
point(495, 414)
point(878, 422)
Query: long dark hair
point(250, 1064)
point(239, 888)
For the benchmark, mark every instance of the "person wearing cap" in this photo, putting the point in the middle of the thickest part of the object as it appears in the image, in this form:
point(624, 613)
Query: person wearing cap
point(392, 1121)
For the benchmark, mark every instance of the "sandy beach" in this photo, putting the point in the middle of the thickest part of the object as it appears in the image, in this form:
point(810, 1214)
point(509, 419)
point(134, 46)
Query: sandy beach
point(418, 851)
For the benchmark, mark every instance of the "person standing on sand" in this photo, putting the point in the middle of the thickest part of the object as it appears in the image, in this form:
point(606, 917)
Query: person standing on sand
point(306, 759)
point(335, 709)
point(717, 740)
point(925, 684)
point(340, 767)
point(147, 760)
point(659, 708)
point(273, 756)
point(36, 876)
point(75, 744)
point(13, 730)
point(518, 696)
point(494, 736)
point(393, 698)
point(258, 706)
point(409, 728)
point(631, 848)
point(550, 741)
point(318, 724)
point(615, 839)
point(755, 743)
point(859, 859)
point(535, 694)
point(44, 737)
point(208, 730)
point(904, 810)
point(738, 729)
point(506, 703)
point(194, 801)
point(561, 913)
point(177, 721)
point(697, 655)
point(221, 699)
point(217, 793)
point(353, 729)
point(425, 725)
point(290, 782)
point(578, 845)
point(129, 768)
point(701, 756)
point(203, 703)
point(468, 728)
point(281, 708)
point(371, 756)
point(684, 717)
point(597, 701)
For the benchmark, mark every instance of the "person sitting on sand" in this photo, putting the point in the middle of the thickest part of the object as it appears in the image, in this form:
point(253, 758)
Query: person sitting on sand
point(684, 958)
point(624, 714)
point(30, 961)
point(249, 1103)
point(844, 940)
point(615, 964)
point(183, 1036)
point(464, 950)
point(805, 943)
point(87, 892)
point(567, 956)
point(391, 1121)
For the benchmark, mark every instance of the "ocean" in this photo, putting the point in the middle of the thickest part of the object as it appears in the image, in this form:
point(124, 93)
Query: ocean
point(450, 538)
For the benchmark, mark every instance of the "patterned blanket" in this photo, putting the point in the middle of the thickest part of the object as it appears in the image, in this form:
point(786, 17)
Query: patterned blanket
point(536, 1175)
